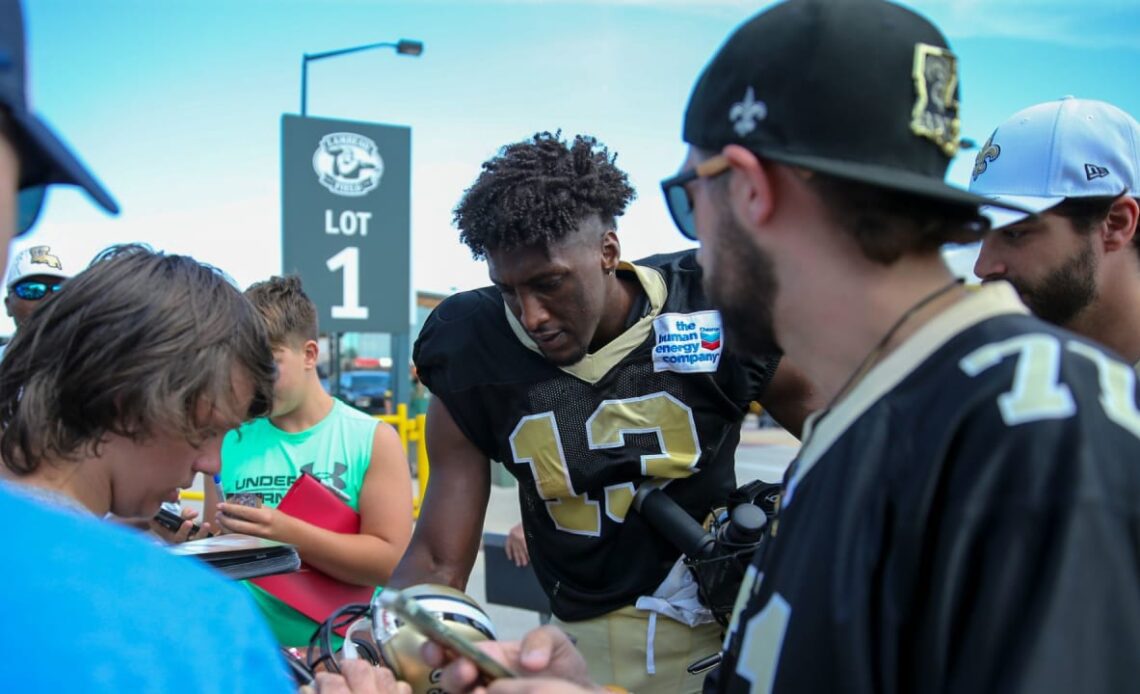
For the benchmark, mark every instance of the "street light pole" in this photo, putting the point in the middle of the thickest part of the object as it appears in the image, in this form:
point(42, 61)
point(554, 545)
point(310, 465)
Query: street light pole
point(407, 47)
point(403, 47)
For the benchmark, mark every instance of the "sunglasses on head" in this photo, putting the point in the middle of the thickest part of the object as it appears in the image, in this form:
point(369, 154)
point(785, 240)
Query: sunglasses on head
point(32, 290)
point(677, 197)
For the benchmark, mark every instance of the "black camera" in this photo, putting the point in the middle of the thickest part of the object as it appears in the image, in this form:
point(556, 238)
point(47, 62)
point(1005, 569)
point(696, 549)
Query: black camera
point(719, 556)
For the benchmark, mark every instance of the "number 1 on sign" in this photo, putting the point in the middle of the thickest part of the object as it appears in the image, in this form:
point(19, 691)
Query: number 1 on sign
point(349, 260)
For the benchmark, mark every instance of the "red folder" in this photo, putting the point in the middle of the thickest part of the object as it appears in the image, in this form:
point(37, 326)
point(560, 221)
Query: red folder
point(310, 591)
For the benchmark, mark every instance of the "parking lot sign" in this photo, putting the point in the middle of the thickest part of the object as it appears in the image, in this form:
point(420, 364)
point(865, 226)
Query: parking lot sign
point(346, 220)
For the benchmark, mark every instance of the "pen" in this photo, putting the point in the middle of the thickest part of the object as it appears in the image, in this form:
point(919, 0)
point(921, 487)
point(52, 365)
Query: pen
point(218, 486)
point(705, 663)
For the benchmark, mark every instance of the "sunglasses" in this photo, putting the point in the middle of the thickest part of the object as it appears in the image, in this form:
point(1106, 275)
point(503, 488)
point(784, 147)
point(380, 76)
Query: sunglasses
point(34, 291)
point(677, 197)
point(31, 203)
point(30, 199)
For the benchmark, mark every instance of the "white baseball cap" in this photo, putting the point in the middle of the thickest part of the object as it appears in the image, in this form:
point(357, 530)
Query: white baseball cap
point(1068, 148)
point(41, 259)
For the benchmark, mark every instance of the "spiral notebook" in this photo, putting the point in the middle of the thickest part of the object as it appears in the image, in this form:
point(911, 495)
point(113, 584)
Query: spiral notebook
point(240, 556)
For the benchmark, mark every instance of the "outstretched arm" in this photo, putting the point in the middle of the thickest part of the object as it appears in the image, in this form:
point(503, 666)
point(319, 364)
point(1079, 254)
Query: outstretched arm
point(449, 530)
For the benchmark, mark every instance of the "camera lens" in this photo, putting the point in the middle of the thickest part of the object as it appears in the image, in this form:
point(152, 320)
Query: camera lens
point(746, 526)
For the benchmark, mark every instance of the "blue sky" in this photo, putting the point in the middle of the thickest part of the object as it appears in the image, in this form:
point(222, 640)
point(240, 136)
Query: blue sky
point(176, 104)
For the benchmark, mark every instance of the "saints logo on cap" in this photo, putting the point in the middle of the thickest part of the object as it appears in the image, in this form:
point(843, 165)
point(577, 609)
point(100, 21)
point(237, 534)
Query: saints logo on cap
point(990, 152)
point(935, 114)
point(746, 112)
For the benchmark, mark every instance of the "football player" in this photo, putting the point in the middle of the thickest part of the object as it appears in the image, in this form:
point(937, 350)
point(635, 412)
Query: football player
point(1076, 162)
point(963, 515)
point(586, 376)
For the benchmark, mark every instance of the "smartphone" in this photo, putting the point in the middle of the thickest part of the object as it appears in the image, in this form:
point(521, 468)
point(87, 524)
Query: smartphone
point(430, 626)
point(173, 521)
point(249, 499)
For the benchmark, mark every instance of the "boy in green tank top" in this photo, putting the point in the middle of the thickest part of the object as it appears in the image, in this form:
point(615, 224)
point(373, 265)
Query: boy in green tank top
point(310, 431)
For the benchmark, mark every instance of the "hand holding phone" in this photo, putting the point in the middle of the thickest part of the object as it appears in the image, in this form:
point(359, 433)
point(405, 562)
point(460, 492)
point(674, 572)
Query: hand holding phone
point(172, 521)
point(433, 628)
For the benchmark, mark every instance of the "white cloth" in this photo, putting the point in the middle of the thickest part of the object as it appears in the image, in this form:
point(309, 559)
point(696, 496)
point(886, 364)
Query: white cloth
point(677, 598)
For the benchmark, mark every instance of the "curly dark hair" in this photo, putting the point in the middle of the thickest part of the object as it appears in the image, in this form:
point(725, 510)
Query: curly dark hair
point(536, 192)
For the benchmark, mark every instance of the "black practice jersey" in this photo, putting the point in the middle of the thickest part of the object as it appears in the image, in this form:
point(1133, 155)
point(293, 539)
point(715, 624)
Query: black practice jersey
point(662, 401)
point(966, 520)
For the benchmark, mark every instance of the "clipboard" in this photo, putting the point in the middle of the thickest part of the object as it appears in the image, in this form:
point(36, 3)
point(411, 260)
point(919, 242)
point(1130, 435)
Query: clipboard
point(309, 590)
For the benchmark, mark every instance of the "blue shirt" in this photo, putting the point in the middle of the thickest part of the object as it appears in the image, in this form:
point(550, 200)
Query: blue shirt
point(87, 606)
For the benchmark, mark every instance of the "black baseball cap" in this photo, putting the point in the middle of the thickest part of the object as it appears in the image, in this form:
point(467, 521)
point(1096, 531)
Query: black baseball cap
point(44, 158)
point(863, 90)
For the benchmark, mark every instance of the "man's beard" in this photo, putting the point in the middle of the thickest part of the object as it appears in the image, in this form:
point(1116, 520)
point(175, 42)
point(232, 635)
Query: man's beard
point(1064, 292)
point(744, 290)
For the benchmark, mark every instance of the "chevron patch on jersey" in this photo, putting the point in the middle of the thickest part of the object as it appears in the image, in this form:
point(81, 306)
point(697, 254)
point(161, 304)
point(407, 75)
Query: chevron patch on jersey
point(687, 342)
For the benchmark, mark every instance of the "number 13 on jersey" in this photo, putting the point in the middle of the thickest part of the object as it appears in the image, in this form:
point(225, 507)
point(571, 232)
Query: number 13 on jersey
point(536, 442)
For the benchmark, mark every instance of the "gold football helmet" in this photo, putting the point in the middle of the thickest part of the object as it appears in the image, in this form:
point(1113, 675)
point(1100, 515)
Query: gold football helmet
point(400, 642)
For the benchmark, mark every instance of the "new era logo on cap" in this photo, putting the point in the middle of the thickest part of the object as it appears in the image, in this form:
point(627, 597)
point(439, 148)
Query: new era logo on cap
point(1068, 148)
point(1093, 171)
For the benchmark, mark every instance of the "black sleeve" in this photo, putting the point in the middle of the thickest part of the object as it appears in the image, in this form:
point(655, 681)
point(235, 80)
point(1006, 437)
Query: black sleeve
point(429, 359)
point(447, 353)
point(1035, 571)
point(760, 371)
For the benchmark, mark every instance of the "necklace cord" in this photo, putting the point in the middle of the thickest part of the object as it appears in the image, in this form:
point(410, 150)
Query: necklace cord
point(873, 356)
point(860, 371)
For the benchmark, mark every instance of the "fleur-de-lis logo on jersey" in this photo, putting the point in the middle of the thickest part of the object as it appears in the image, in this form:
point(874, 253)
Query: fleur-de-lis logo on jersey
point(41, 255)
point(745, 113)
point(988, 153)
